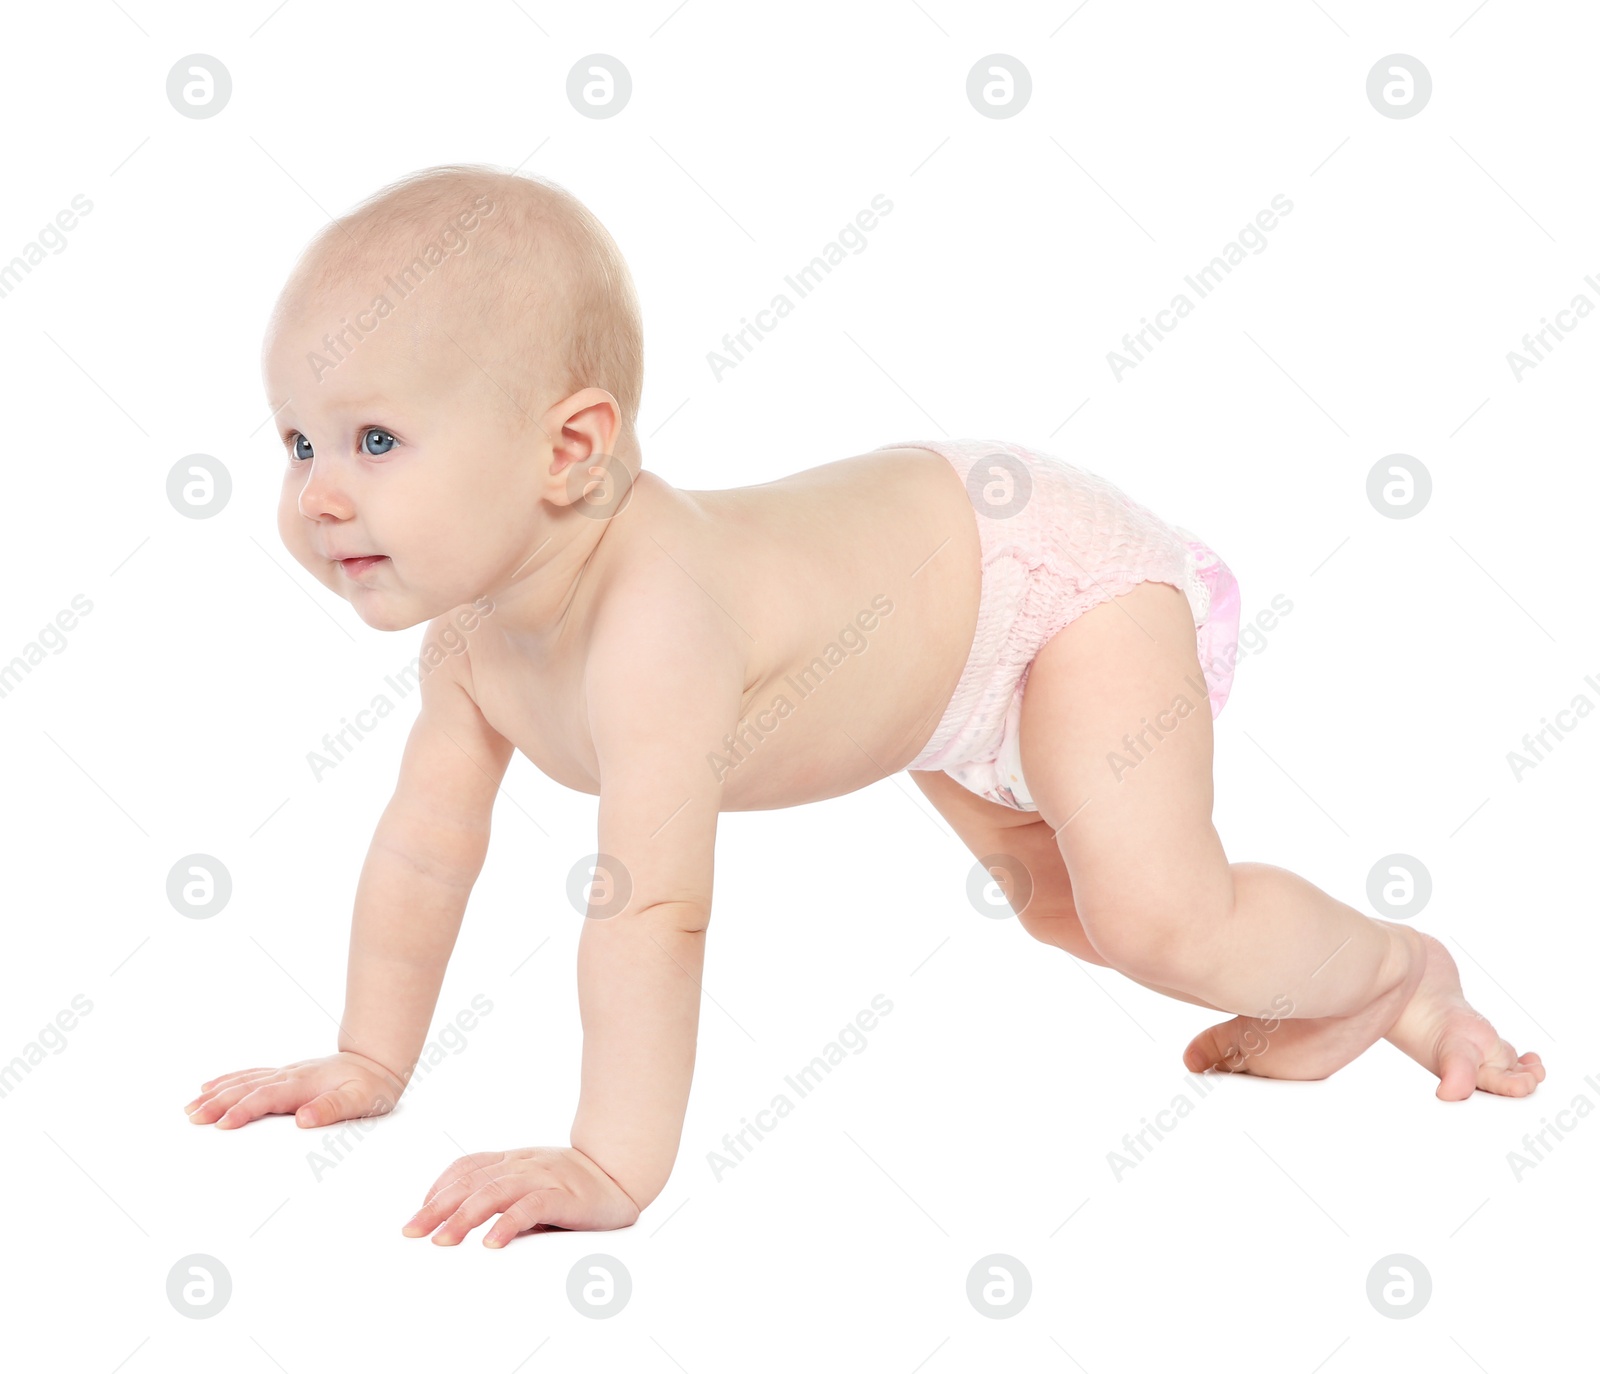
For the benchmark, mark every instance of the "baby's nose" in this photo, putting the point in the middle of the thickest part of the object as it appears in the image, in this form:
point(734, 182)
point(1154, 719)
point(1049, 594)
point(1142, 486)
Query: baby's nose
point(322, 496)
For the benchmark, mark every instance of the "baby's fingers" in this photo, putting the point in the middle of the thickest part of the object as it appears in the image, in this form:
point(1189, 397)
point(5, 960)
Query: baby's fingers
point(263, 1101)
point(460, 1171)
point(459, 1181)
point(350, 1098)
point(229, 1077)
point(535, 1208)
point(228, 1081)
point(496, 1195)
point(209, 1106)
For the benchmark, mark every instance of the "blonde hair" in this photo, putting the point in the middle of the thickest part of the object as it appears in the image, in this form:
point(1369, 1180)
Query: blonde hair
point(540, 283)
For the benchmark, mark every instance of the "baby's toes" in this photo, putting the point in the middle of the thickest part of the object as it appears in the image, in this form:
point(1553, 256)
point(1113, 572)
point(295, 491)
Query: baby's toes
point(1517, 1081)
point(1504, 1073)
point(1461, 1070)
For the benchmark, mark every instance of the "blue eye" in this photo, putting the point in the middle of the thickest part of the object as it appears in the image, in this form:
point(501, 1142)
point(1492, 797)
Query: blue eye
point(375, 443)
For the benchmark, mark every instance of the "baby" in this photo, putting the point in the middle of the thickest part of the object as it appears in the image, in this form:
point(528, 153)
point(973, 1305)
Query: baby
point(455, 369)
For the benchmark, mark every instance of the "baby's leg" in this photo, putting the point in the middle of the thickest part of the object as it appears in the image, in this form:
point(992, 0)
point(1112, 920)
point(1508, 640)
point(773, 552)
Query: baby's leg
point(1313, 979)
point(1042, 898)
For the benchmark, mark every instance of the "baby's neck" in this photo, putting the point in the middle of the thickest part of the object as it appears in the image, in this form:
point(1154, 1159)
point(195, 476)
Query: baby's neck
point(564, 568)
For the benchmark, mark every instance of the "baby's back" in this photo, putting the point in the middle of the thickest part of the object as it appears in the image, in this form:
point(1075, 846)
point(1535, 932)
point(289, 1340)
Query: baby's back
point(850, 591)
point(858, 582)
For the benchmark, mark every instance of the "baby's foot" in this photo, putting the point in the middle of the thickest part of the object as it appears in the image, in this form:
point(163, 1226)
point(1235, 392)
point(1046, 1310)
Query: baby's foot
point(1446, 1036)
point(1310, 1047)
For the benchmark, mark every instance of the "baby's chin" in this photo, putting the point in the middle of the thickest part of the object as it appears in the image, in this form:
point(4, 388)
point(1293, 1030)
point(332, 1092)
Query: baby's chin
point(384, 608)
point(382, 612)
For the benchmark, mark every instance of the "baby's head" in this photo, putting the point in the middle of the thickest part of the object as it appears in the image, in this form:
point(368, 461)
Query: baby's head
point(444, 362)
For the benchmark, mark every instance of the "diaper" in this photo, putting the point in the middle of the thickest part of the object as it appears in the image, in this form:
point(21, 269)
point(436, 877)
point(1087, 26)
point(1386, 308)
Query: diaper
point(1000, 778)
point(1055, 542)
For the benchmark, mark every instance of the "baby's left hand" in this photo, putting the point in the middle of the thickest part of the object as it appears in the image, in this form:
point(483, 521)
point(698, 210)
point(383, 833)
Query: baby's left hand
point(542, 1186)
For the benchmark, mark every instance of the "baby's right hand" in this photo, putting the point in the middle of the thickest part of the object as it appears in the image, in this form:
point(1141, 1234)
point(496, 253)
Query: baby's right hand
point(317, 1091)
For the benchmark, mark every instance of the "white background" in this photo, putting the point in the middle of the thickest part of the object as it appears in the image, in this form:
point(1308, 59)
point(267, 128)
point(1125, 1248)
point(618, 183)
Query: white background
point(978, 1119)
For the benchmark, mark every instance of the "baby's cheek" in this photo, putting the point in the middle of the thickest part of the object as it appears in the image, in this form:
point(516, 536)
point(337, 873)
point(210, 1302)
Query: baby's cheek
point(290, 520)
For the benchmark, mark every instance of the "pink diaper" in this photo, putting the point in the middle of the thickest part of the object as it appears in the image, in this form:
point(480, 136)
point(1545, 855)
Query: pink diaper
point(1056, 541)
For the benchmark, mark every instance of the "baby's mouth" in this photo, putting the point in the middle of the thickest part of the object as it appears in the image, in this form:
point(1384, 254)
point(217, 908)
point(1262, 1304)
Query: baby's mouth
point(357, 567)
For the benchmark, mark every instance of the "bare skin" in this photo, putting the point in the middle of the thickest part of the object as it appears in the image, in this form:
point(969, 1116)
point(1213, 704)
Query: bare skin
point(1315, 981)
point(682, 653)
point(1436, 1027)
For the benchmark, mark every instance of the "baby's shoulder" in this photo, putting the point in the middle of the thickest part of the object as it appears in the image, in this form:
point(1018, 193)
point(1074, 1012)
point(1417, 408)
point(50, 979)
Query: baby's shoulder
point(663, 595)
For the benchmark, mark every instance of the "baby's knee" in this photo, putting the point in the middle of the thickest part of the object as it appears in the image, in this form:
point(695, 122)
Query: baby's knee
point(1055, 922)
point(1156, 938)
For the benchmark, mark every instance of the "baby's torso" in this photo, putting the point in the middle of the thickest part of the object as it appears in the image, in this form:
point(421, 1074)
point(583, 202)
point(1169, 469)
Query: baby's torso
point(852, 591)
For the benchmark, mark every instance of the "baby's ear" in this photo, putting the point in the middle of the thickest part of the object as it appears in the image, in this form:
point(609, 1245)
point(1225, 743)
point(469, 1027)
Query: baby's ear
point(583, 432)
point(598, 485)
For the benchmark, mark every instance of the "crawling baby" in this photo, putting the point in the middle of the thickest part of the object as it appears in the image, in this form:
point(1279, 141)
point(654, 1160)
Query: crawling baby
point(455, 370)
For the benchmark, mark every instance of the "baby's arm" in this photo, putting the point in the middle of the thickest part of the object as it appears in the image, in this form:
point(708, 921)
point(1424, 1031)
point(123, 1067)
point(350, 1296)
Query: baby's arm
point(425, 855)
point(663, 683)
point(663, 690)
